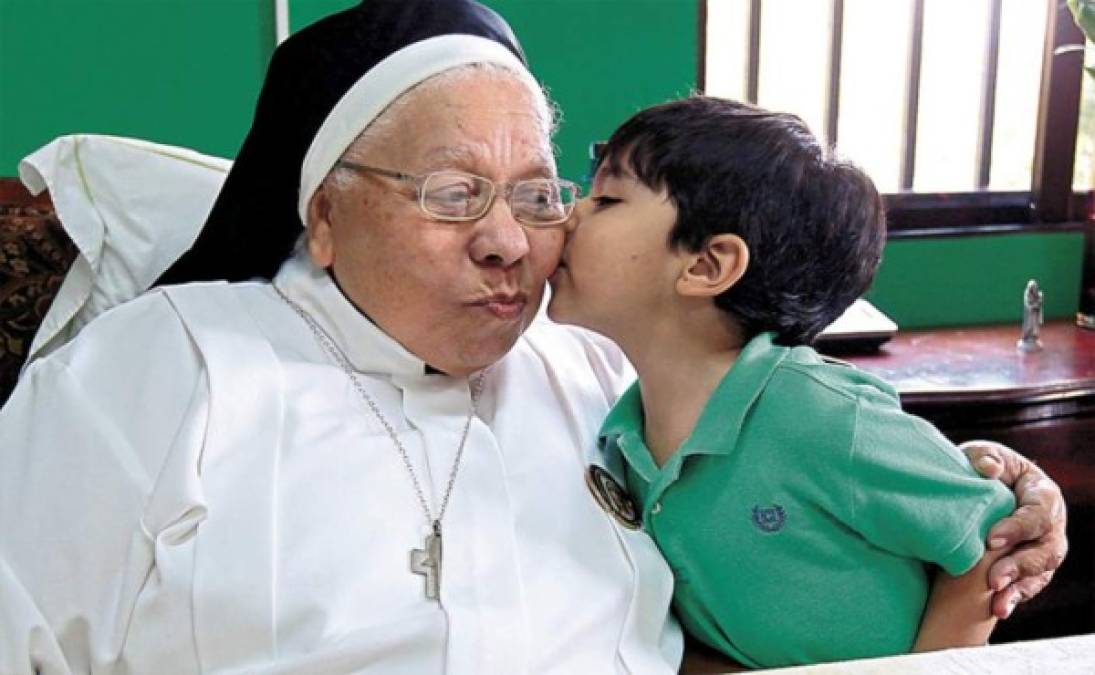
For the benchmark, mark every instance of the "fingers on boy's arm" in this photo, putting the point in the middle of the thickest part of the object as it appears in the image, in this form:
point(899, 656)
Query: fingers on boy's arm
point(986, 457)
point(1036, 529)
point(1004, 602)
point(1040, 523)
point(1028, 561)
point(1041, 506)
point(996, 460)
point(1023, 573)
point(1040, 518)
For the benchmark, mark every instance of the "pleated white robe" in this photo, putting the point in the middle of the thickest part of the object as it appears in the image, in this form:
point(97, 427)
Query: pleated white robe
point(193, 485)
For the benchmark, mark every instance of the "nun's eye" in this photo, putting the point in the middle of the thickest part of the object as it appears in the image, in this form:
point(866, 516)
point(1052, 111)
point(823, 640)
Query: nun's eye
point(453, 195)
point(450, 194)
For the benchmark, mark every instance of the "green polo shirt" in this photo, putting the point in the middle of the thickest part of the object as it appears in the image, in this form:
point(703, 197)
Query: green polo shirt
point(800, 513)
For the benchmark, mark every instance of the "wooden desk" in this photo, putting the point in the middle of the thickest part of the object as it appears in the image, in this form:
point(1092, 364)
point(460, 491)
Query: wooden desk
point(973, 383)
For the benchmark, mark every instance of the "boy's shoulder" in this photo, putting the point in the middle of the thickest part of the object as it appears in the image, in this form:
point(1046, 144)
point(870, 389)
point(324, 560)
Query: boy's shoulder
point(859, 412)
point(816, 380)
point(802, 407)
point(833, 408)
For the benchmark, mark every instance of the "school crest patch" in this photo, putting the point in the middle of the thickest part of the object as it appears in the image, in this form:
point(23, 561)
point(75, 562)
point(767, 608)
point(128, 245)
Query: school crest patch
point(612, 497)
point(769, 518)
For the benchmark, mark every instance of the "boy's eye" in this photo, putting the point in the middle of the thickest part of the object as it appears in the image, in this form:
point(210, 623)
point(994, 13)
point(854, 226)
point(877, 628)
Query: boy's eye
point(603, 201)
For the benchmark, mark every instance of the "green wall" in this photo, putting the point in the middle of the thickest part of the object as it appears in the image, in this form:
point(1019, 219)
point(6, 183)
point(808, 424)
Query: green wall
point(187, 72)
point(184, 72)
point(969, 280)
point(602, 60)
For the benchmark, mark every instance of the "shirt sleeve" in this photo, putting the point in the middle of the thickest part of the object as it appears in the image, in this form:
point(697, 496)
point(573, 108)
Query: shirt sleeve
point(84, 440)
point(915, 494)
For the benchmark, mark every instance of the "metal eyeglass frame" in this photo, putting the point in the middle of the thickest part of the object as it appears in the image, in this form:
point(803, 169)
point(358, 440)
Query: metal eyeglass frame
point(507, 192)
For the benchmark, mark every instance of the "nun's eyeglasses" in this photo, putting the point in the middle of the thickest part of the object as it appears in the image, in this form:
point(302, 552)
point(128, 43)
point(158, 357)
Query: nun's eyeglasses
point(458, 196)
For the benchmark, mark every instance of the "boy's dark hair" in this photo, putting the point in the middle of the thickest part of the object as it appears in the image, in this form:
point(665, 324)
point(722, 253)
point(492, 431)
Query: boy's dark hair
point(815, 225)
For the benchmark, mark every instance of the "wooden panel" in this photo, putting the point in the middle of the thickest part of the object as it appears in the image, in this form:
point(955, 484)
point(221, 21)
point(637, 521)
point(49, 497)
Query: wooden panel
point(35, 254)
point(13, 193)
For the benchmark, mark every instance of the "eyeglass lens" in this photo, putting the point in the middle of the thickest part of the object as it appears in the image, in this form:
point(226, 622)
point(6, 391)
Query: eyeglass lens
point(538, 201)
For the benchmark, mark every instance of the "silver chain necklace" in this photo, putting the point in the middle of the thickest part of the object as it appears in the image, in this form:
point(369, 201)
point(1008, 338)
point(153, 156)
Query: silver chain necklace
point(426, 560)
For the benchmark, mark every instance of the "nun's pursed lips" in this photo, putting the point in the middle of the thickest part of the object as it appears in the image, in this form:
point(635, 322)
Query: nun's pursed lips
point(505, 306)
point(501, 296)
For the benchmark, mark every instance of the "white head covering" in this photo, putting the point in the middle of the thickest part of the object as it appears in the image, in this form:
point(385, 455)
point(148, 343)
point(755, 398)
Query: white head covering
point(384, 83)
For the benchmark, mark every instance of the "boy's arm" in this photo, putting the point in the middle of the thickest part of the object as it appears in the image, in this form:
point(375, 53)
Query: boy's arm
point(959, 611)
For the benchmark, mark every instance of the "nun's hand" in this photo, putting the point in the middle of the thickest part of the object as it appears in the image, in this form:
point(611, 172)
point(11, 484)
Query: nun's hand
point(1036, 530)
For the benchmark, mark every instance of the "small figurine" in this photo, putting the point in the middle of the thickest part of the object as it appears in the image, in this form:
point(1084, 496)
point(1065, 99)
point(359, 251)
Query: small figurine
point(1029, 341)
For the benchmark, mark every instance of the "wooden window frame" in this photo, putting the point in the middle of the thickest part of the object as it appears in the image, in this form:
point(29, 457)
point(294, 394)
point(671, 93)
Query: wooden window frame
point(1051, 205)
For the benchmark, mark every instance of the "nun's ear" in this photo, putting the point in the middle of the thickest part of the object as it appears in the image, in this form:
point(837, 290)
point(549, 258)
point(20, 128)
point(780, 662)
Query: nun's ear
point(321, 242)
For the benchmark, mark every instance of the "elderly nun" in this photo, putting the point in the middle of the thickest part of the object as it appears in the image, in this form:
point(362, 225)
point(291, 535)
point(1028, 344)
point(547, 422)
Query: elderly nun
point(369, 463)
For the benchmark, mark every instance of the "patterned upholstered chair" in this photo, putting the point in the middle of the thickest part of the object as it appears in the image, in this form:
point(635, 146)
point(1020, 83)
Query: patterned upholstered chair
point(35, 254)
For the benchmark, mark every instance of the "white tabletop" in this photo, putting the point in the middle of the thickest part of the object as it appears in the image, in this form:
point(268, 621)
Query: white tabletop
point(1058, 656)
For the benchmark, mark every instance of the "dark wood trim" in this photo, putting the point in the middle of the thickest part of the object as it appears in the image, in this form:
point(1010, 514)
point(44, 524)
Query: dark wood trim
point(988, 96)
point(951, 200)
point(1085, 314)
point(967, 230)
point(925, 211)
point(913, 214)
point(12, 192)
point(1058, 115)
point(701, 42)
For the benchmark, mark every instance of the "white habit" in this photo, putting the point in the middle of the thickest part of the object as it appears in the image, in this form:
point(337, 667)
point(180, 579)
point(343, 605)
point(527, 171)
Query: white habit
point(193, 485)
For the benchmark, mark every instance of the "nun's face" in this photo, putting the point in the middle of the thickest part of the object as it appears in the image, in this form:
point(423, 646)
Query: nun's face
point(456, 294)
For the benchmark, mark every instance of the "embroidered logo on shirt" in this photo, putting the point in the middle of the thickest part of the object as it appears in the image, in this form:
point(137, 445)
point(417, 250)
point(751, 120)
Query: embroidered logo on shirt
point(769, 518)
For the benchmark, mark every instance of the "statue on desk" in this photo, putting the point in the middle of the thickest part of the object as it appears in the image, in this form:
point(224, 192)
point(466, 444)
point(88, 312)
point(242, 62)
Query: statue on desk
point(1030, 341)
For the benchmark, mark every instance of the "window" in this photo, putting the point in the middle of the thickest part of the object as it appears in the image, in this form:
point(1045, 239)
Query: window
point(952, 107)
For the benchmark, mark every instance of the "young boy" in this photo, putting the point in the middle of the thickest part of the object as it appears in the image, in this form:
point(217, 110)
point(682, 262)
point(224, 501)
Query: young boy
point(803, 513)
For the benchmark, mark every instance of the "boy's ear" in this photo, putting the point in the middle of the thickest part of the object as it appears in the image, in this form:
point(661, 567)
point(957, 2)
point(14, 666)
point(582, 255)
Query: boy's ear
point(321, 243)
point(716, 267)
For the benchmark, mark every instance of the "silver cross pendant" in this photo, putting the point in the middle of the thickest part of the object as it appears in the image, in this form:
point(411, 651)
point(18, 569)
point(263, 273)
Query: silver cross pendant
point(427, 562)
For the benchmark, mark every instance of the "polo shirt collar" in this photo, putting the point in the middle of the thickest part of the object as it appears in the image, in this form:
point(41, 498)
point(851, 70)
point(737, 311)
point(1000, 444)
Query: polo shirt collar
point(622, 432)
point(720, 423)
point(716, 432)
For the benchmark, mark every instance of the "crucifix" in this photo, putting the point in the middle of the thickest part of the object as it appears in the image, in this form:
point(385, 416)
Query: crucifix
point(427, 562)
